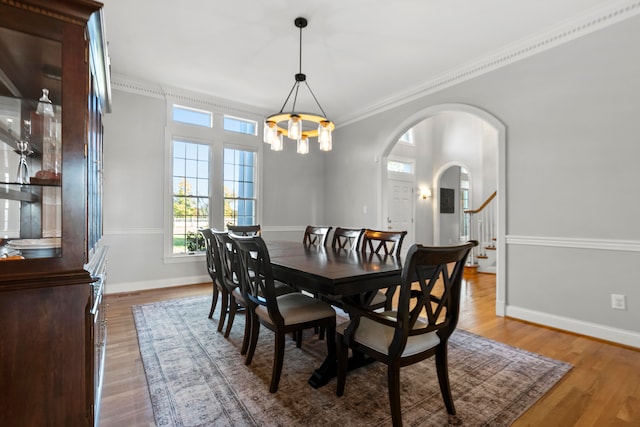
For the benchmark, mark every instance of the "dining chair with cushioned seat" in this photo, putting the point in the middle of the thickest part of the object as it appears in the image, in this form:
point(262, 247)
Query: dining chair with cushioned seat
point(314, 235)
point(385, 243)
point(347, 238)
point(214, 269)
point(426, 316)
point(234, 295)
point(245, 230)
point(292, 312)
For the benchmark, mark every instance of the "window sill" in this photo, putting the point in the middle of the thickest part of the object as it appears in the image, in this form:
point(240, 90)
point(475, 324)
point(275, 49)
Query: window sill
point(177, 259)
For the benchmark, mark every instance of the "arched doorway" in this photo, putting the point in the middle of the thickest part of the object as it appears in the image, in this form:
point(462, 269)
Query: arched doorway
point(439, 121)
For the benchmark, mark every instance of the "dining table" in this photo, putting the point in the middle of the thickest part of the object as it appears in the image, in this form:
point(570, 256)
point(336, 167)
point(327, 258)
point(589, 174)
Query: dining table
point(333, 275)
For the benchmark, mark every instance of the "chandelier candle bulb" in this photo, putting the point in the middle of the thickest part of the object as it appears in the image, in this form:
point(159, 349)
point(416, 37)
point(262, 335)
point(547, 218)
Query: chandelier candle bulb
point(295, 128)
point(324, 136)
point(270, 131)
point(303, 145)
point(277, 143)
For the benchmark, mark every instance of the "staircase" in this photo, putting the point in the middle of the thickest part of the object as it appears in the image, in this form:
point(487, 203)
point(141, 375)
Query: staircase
point(482, 227)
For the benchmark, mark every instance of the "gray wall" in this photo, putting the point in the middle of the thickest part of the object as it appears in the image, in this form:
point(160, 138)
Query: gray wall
point(571, 117)
point(292, 191)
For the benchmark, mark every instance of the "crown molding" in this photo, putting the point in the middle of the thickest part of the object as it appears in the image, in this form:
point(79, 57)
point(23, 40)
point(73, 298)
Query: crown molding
point(174, 94)
point(556, 36)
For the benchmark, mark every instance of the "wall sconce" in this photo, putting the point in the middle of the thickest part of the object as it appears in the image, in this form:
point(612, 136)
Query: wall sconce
point(425, 193)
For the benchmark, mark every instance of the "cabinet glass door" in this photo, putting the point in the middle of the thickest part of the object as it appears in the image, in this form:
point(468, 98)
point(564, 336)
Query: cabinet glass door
point(30, 145)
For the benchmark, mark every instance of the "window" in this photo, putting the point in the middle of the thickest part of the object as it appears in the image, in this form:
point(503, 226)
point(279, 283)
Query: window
point(398, 166)
point(235, 124)
point(190, 195)
point(239, 187)
point(212, 177)
point(407, 137)
point(192, 116)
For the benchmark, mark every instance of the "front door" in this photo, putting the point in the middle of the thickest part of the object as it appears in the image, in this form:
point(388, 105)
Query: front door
point(400, 209)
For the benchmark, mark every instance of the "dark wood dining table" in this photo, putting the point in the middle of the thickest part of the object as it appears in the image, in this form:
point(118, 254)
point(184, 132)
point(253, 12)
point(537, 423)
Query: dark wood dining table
point(333, 274)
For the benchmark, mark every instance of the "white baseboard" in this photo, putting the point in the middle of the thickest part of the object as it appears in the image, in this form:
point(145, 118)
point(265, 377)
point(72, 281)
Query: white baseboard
point(128, 287)
point(603, 332)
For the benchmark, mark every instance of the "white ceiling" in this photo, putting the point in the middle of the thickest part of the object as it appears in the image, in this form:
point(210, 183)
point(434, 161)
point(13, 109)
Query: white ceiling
point(358, 54)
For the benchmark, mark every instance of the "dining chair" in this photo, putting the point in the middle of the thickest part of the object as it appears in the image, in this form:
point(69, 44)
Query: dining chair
point(212, 257)
point(347, 238)
point(384, 243)
point(420, 327)
point(245, 230)
point(316, 235)
point(232, 295)
point(292, 312)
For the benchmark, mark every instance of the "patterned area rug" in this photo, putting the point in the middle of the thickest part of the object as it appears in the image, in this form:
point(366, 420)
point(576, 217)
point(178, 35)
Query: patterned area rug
point(197, 377)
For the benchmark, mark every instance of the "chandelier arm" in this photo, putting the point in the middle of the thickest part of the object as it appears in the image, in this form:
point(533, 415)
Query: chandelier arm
point(295, 98)
point(315, 99)
point(289, 96)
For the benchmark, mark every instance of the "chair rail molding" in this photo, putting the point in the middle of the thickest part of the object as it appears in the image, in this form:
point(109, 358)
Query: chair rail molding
point(132, 231)
point(576, 243)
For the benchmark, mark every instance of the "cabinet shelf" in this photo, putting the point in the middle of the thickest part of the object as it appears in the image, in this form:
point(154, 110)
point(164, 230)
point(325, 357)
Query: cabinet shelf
point(35, 183)
point(21, 196)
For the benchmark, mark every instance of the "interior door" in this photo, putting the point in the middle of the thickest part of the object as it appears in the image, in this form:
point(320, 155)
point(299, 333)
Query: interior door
point(400, 209)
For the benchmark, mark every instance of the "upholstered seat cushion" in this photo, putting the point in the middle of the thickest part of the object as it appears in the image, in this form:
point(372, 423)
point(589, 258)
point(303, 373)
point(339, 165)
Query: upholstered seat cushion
point(378, 336)
point(239, 297)
point(282, 288)
point(298, 308)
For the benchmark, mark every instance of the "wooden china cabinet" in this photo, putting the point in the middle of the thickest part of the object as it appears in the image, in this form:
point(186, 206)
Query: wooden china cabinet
point(54, 89)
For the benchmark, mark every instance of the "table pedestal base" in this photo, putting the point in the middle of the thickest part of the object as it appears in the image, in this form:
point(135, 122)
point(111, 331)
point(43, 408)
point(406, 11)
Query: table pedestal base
point(329, 369)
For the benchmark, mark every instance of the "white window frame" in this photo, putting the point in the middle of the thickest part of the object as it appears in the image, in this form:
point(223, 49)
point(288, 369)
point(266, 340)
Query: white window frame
point(241, 119)
point(407, 138)
point(410, 162)
point(255, 178)
point(217, 139)
point(195, 110)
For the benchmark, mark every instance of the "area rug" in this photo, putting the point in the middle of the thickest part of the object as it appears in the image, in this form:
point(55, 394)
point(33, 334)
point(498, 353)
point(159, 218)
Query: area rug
point(196, 377)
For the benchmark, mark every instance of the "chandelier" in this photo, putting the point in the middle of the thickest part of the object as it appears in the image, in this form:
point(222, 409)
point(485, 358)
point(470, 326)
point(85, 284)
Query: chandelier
point(299, 126)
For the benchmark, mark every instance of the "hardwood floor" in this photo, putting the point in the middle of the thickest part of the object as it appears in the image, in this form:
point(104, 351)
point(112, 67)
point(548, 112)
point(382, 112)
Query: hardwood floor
point(602, 389)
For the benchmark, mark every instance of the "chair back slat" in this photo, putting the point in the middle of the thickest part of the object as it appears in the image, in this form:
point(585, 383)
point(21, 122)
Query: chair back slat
point(382, 242)
point(347, 238)
point(211, 255)
point(256, 275)
point(430, 288)
point(316, 235)
point(245, 230)
point(228, 260)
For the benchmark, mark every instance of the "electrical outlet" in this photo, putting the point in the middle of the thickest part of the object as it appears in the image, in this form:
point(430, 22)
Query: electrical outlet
point(618, 302)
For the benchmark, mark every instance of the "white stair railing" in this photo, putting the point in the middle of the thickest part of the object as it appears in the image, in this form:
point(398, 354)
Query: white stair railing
point(482, 227)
